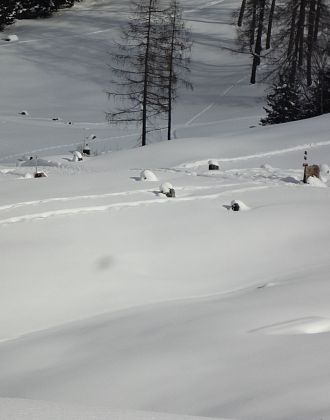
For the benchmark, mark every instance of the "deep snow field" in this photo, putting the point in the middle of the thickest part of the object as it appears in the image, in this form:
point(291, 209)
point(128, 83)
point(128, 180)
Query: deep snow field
point(120, 303)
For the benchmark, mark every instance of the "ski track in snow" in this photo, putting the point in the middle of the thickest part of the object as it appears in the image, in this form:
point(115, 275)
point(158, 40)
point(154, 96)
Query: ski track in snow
point(195, 164)
point(61, 146)
point(121, 205)
point(106, 195)
point(210, 106)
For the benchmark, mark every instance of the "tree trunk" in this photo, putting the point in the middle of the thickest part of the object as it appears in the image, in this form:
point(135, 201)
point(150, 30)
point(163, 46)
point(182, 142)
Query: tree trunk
point(292, 28)
point(258, 46)
point(317, 21)
point(301, 32)
point(170, 80)
point(310, 38)
point(241, 13)
point(270, 24)
point(253, 22)
point(146, 78)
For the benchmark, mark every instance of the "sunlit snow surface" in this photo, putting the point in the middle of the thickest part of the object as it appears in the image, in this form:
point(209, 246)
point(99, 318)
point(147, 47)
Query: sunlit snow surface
point(115, 296)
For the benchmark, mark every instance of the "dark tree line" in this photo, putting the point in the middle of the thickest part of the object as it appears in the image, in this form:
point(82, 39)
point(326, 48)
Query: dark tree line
point(29, 9)
point(293, 39)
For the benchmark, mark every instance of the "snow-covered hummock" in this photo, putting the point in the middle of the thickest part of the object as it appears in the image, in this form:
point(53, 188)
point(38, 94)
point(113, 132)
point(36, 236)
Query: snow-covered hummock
point(316, 182)
point(242, 206)
point(11, 38)
point(324, 172)
point(165, 187)
point(147, 175)
point(266, 166)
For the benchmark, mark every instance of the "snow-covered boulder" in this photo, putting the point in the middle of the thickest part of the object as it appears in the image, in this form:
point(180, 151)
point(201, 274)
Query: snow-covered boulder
point(77, 156)
point(40, 174)
point(213, 165)
point(239, 205)
point(148, 175)
point(11, 38)
point(166, 187)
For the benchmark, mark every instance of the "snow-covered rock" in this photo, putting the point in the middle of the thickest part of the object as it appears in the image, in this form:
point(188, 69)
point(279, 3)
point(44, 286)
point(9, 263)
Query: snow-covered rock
point(77, 156)
point(165, 187)
point(242, 206)
point(11, 38)
point(148, 175)
point(24, 112)
point(213, 162)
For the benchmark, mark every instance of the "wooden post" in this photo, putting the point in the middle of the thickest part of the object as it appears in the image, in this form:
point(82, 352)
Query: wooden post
point(305, 164)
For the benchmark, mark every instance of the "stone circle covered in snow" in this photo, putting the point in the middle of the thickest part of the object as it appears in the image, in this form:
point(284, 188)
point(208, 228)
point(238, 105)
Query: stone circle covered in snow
point(239, 204)
point(147, 175)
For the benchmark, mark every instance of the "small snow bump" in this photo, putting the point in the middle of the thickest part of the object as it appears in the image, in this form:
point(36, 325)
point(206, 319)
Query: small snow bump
point(316, 182)
point(11, 38)
point(147, 175)
point(266, 166)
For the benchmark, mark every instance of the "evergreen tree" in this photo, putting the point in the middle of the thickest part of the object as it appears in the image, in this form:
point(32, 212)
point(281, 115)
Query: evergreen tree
point(7, 13)
point(284, 103)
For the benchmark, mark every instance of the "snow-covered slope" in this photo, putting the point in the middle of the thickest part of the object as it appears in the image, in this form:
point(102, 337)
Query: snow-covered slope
point(115, 296)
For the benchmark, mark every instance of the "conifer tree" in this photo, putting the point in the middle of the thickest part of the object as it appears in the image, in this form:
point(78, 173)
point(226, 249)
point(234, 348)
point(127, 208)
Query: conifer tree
point(7, 13)
point(284, 104)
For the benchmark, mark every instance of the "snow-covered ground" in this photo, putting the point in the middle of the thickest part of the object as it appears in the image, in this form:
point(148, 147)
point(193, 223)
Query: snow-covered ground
point(118, 302)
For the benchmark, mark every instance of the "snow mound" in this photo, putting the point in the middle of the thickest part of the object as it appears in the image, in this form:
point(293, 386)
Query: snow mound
point(28, 175)
point(266, 166)
point(11, 38)
point(325, 172)
point(242, 206)
point(165, 187)
point(316, 182)
point(311, 325)
point(148, 175)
